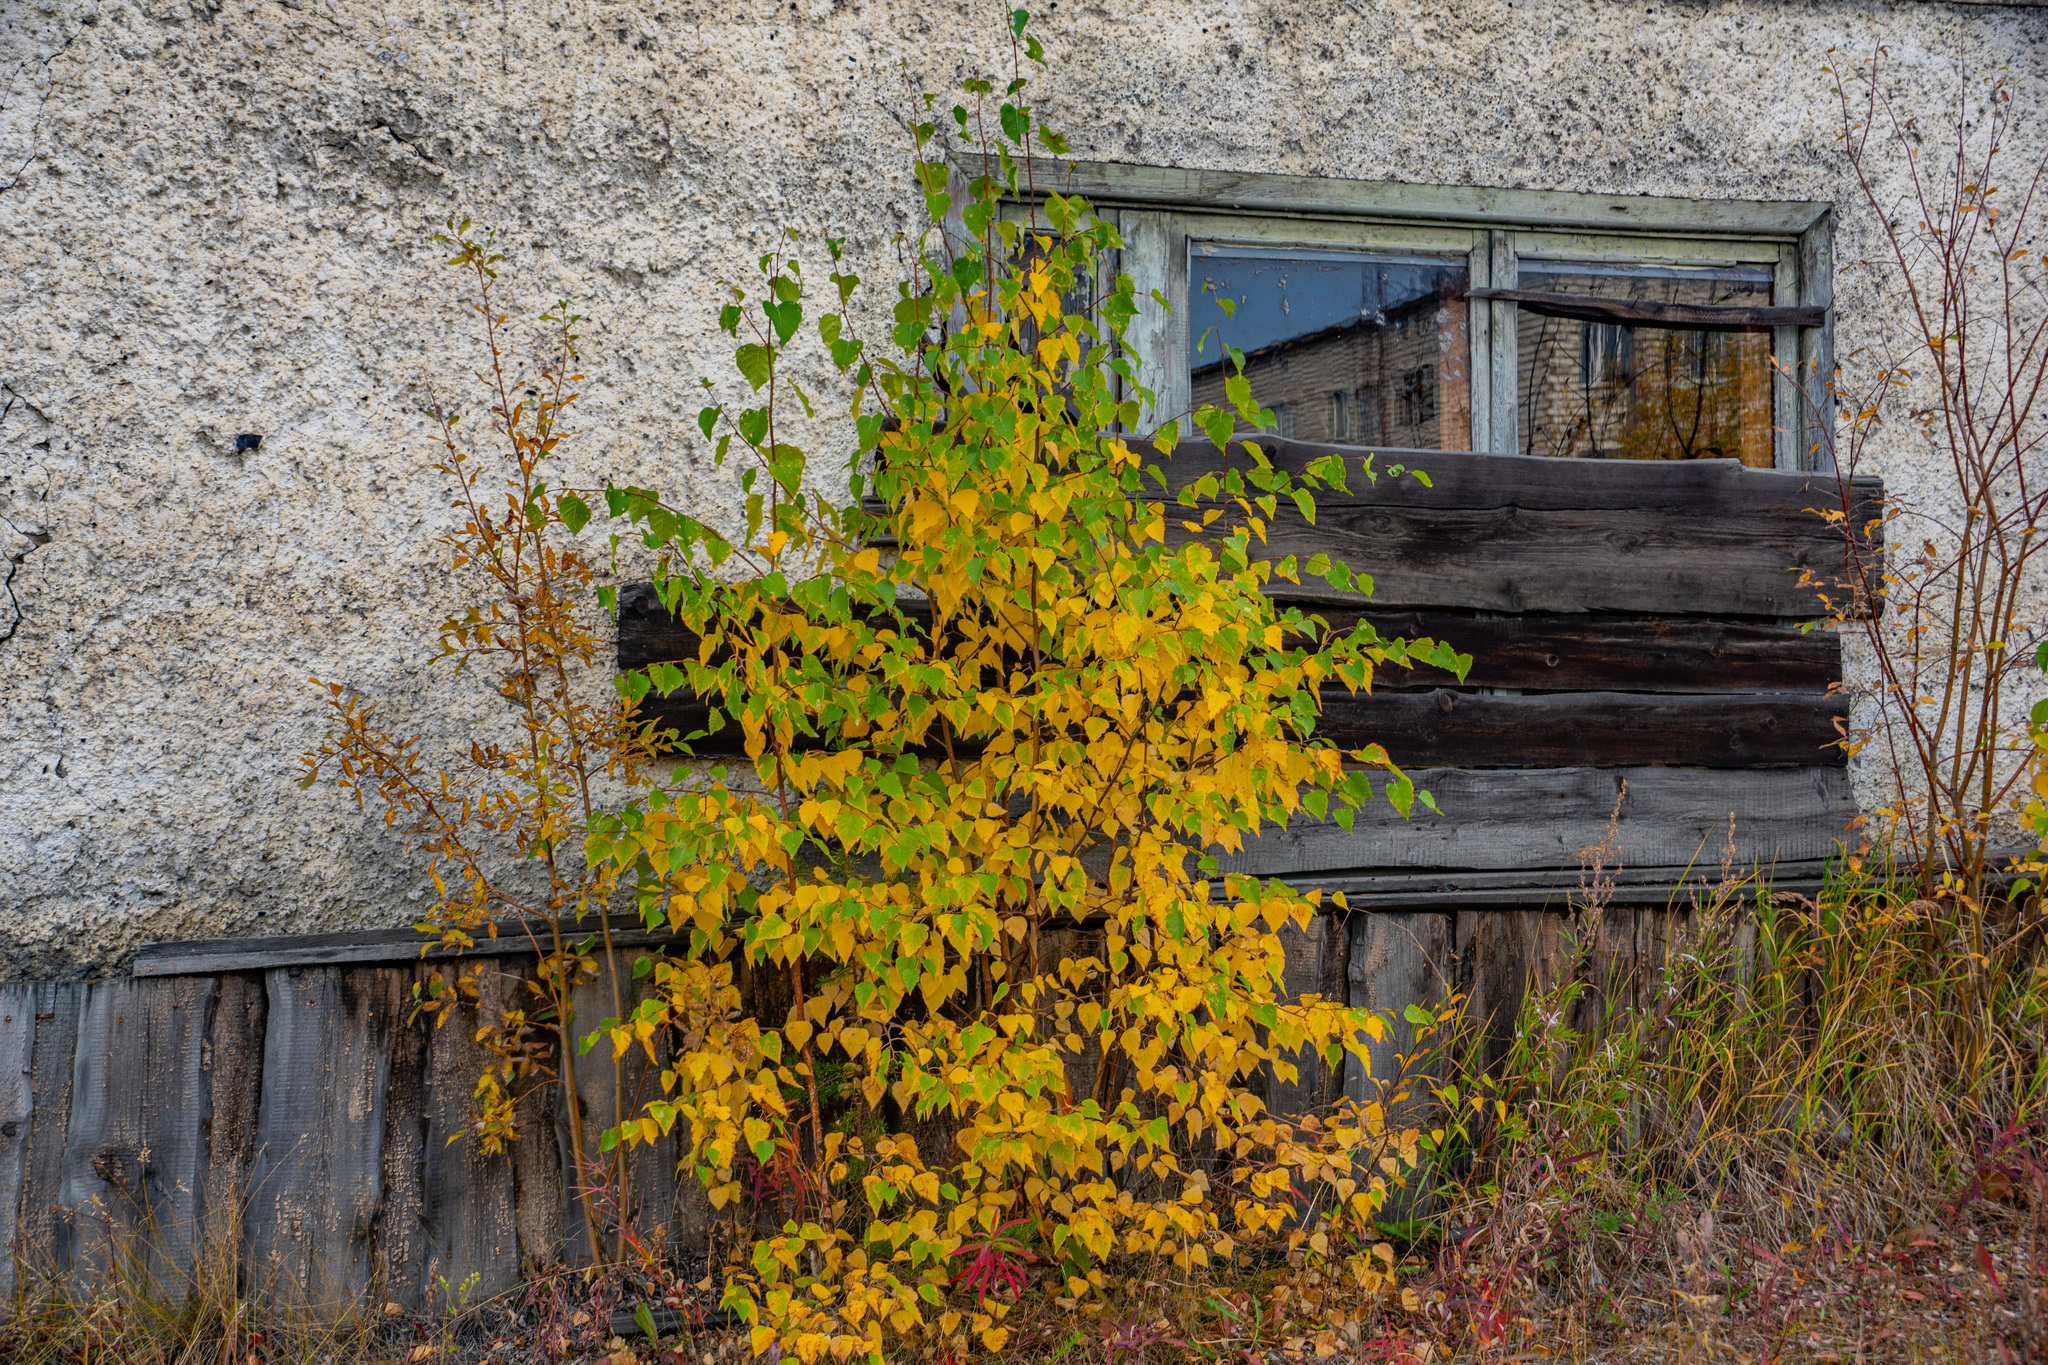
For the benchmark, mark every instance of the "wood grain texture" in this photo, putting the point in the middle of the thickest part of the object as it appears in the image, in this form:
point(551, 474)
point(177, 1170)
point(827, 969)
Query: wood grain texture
point(43, 1230)
point(537, 1204)
point(1397, 960)
point(1446, 729)
point(1608, 653)
point(135, 1148)
point(1500, 955)
point(1516, 533)
point(656, 1207)
point(1555, 888)
point(17, 1114)
point(205, 957)
point(1703, 490)
point(1519, 559)
point(468, 1204)
point(232, 1074)
point(1549, 653)
point(1124, 184)
point(1302, 974)
point(1541, 818)
point(401, 1260)
point(319, 1177)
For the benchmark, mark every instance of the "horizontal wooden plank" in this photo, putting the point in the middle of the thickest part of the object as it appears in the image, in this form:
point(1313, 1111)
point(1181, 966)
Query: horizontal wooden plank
point(1557, 899)
point(1612, 654)
point(1711, 317)
point(1460, 480)
point(1516, 533)
point(1541, 652)
point(1446, 729)
point(1500, 820)
point(1649, 885)
point(1560, 888)
point(1112, 182)
point(367, 947)
point(1517, 559)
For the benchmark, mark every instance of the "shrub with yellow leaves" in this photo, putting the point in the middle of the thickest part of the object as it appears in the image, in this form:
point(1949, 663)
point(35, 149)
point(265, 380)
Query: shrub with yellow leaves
point(1004, 707)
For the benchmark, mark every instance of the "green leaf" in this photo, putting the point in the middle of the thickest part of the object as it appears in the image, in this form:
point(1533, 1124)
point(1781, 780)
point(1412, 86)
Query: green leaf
point(1016, 123)
point(644, 1320)
point(666, 676)
point(785, 318)
point(1418, 1016)
point(755, 362)
point(707, 419)
point(1019, 18)
point(1217, 425)
point(575, 513)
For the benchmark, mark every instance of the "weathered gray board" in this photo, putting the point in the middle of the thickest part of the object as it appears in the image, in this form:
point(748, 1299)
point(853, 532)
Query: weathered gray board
point(41, 1238)
point(658, 1207)
point(1544, 817)
point(318, 1184)
point(1514, 533)
point(135, 1150)
point(304, 1113)
point(17, 1111)
point(314, 1105)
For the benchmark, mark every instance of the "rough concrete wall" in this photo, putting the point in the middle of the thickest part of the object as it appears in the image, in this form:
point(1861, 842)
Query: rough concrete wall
point(212, 222)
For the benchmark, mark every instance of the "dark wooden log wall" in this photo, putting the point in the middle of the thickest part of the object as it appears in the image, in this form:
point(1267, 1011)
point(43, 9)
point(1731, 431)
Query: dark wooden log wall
point(1637, 623)
point(1647, 673)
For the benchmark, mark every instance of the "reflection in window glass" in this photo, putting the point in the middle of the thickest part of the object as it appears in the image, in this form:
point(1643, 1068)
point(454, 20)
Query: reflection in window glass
point(1613, 391)
point(1368, 350)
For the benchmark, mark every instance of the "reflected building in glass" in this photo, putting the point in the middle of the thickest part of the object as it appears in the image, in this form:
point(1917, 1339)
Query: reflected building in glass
point(1344, 347)
point(1614, 391)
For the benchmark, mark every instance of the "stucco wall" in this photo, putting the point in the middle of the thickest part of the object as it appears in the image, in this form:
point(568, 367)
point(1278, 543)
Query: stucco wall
point(213, 219)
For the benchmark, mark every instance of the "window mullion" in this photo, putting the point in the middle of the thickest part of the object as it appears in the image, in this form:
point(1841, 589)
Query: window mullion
point(1479, 270)
point(1155, 256)
point(1786, 422)
point(1816, 354)
point(1503, 382)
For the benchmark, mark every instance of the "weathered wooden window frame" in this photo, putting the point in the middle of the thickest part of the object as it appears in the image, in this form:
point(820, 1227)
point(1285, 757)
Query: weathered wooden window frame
point(1162, 211)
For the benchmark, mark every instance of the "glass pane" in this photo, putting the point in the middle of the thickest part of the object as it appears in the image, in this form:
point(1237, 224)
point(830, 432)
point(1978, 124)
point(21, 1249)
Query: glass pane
point(1343, 346)
point(1611, 391)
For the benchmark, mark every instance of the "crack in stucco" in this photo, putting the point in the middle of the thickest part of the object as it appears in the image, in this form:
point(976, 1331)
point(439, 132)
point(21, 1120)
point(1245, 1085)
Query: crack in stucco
point(36, 540)
point(35, 128)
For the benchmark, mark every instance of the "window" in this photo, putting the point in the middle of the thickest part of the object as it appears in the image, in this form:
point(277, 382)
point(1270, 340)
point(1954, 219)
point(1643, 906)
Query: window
point(1519, 322)
point(1333, 323)
point(1620, 391)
